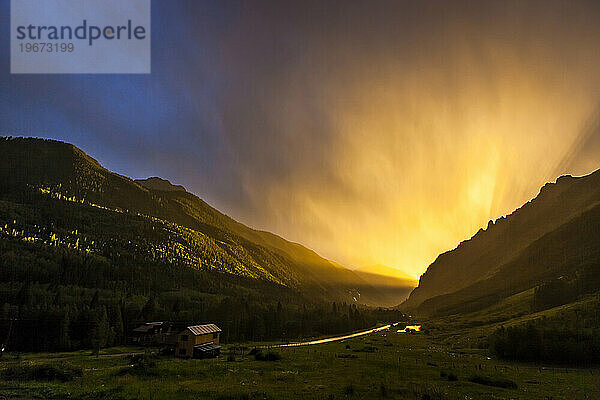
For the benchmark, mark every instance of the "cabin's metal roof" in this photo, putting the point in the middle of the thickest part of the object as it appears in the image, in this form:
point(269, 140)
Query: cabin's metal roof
point(148, 326)
point(204, 329)
point(143, 328)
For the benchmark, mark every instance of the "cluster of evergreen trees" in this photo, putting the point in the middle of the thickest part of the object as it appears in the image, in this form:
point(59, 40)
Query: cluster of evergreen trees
point(569, 337)
point(43, 317)
point(64, 299)
point(566, 289)
point(531, 342)
point(26, 326)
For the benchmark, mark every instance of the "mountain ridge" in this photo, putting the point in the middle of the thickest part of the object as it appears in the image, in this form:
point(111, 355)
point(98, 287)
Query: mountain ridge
point(484, 255)
point(62, 168)
point(384, 270)
point(156, 183)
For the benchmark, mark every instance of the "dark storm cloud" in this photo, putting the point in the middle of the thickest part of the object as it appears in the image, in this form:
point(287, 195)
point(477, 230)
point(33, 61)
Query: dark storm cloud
point(374, 131)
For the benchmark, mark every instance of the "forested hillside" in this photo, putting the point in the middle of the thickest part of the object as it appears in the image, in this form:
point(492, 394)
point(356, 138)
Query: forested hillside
point(60, 170)
point(86, 254)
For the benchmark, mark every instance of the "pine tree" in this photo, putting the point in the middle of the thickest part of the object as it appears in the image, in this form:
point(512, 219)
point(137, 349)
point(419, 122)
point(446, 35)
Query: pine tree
point(24, 297)
point(64, 341)
point(149, 309)
point(115, 318)
point(95, 300)
point(100, 331)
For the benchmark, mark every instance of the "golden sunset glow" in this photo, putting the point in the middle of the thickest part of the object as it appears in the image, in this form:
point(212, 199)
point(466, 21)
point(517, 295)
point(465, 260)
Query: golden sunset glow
point(422, 151)
point(374, 133)
point(419, 190)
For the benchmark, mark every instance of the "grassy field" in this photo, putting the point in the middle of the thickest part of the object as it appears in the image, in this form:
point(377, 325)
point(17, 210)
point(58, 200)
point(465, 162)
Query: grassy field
point(383, 365)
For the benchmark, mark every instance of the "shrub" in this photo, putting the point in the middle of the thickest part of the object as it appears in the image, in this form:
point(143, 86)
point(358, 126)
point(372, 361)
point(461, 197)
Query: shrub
point(347, 356)
point(383, 391)
point(245, 396)
point(270, 356)
point(254, 351)
point(451, 376)
point(496, 382)
point(366, 349)
point(240, 349)
point(141, 365)
point(429, 393)
point(349, 390)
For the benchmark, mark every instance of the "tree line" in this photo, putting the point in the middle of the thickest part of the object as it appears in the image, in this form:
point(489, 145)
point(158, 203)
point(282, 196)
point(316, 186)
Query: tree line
point(62, 299)
point(571, 336)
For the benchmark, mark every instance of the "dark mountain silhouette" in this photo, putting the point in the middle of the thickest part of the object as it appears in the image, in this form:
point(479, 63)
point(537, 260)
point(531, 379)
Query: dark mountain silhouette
point(394, 283)
point(156, 183)
point(555, 234)
point(184, 228)
point(395, 289)
point(384, 270)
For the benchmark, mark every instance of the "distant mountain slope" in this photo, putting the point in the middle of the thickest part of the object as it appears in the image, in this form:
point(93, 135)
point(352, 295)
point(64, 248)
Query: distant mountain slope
point(479, 267)
point(384, 270)
point(156, 183)
point(29, 166)
point(565, 253)
point(396, 288)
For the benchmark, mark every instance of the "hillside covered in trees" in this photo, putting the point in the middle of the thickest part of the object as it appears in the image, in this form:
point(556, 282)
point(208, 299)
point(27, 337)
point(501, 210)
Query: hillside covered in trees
point(86, 254)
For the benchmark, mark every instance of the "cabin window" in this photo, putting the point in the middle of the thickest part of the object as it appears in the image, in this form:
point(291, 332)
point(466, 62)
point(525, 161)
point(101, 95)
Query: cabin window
point(215, 335)
point(184, 338)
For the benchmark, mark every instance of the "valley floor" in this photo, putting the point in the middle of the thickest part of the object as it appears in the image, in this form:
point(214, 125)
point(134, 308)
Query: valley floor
point(383, 365)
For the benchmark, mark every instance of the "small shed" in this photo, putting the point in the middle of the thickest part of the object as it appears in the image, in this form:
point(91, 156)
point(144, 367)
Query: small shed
point(206, 350)
point(199, 341)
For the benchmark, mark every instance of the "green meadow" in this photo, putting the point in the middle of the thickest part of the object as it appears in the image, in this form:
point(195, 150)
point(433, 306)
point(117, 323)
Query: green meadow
point(385, 365)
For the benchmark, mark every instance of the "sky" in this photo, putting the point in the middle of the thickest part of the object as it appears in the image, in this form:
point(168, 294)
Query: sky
point(373, 132)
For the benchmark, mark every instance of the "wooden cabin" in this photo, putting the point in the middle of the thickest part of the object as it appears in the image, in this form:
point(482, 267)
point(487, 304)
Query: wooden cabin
point(199, 341)
point(152, 333)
